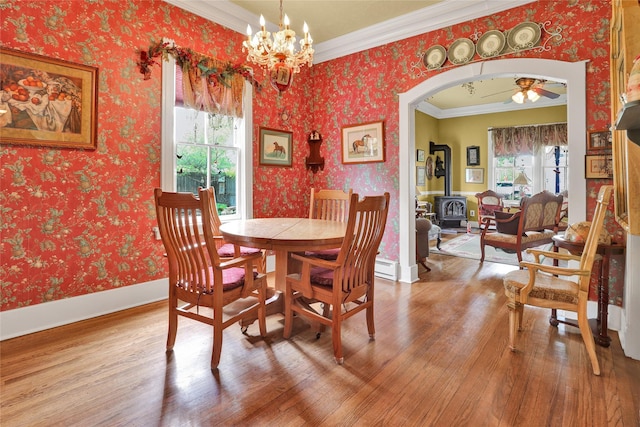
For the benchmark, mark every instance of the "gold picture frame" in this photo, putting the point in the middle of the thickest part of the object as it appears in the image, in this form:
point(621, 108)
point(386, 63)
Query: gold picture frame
point(275, 147)
point(598, 166)
point(600, 140)
point(474, 175)
point(363, 143)
point(47, 102)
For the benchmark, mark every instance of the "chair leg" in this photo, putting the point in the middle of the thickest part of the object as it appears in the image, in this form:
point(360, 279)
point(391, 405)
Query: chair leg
point(217, 340)
point(519, 314)
point(424, 265)
point(513, 323)
point(173, 321)
point(370, 325)
point(336, 326)
point(288, 312)
point(481, 250)
point(262, 297)
point(589, 342)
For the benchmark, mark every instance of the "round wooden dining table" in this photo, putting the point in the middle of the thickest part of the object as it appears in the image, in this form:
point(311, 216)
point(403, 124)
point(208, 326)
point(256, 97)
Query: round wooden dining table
point(284, 236)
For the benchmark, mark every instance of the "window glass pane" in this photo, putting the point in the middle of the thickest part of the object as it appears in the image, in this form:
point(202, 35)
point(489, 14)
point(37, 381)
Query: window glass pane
point(189, 125)
point(223, 178)
point(220, 130)
point(191, 167)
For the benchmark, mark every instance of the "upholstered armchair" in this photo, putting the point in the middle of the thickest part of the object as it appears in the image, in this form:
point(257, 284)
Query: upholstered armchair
point(425, 231)
point(533, 225)
point(488, 202)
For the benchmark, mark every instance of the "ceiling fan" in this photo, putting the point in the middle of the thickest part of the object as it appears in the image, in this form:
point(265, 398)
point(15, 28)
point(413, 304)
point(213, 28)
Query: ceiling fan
point(531, 89)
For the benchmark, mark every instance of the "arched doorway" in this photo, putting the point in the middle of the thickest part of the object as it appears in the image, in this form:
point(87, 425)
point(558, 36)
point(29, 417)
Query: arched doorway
point(571, 73)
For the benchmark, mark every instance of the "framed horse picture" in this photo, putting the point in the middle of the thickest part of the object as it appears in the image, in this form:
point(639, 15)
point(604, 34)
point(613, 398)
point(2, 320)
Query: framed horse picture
point(275, 147)
point(363, 143)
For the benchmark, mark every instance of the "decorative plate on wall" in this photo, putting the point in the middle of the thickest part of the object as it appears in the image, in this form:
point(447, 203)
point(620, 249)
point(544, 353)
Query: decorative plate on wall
point(429, 166)
point(461, 51)
point(491, 44)
point(524, 36)
point(434, 57)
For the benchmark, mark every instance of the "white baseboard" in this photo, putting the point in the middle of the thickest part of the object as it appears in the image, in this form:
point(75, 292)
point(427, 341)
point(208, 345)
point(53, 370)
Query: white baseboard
point(386, 269)
point(35, 318)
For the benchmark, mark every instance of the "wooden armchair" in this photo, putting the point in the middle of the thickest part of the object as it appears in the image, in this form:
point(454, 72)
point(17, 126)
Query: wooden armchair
point(540, 286)
point(332, 205)
point(534, 225)
point(346, 284)
point(197, 276)
point(228, 250)
point(488, 202)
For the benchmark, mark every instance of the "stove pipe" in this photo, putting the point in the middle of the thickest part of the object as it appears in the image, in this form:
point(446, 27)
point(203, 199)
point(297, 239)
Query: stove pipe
point(433, 147)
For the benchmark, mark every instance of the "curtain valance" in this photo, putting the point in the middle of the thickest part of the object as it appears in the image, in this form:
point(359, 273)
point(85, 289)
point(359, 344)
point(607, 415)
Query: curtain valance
point(510, 141)
point(196, 89)
point(203, 83)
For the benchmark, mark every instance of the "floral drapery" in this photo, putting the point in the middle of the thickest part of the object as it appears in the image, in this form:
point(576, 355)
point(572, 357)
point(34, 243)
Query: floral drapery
point(195, 90)
point(527, 139)
point(211, 85)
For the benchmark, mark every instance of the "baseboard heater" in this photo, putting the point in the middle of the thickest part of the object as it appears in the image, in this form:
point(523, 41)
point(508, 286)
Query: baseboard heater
point(386, 269)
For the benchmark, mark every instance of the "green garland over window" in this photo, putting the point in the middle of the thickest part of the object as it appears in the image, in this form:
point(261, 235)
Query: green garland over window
point(188, 58)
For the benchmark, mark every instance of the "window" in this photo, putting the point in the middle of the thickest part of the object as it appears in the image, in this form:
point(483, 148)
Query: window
point(207, 155)
point(200, 149)
point(546, 170)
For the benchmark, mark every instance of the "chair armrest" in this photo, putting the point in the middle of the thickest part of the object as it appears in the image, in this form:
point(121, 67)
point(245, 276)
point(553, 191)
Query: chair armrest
point(560, 271)
point(318, 262)
point(550, 254)
point(304, 279)
point(240, 261)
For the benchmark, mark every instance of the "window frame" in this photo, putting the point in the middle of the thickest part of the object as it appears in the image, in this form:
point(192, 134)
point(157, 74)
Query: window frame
point(536, 177)
point(168, 181)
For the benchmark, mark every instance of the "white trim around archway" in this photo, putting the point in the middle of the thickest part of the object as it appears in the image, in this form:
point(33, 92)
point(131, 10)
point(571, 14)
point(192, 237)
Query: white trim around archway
point(572, 73)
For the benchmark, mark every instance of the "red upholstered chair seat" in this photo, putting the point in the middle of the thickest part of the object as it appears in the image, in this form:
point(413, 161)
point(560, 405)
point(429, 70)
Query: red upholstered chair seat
point(227, 251)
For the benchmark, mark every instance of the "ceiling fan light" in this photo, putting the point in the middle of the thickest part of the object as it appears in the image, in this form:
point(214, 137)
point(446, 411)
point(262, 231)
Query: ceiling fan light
point(532, 95)
point(518, 98)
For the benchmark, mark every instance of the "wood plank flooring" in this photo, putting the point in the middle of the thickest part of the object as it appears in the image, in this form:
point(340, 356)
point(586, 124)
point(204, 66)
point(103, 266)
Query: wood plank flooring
point(440, 358)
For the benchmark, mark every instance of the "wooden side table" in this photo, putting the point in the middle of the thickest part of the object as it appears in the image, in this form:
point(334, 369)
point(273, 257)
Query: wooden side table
point(575, 248)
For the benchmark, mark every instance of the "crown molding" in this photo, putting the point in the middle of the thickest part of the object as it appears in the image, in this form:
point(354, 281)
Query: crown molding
point(498, 107)
point(443, 14)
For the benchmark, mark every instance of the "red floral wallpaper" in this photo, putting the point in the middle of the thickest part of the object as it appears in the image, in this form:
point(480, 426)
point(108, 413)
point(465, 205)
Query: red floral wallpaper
point(76, 222)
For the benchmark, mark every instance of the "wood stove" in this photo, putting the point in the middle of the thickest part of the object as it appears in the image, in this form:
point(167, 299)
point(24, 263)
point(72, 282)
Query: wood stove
point(449, 210)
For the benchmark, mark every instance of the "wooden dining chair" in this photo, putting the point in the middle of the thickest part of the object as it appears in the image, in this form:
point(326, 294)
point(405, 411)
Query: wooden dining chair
point(540, 286)
point(332, 205)
point(329, 204)
point(228, 250)
point(198, 278)
point(346, 285)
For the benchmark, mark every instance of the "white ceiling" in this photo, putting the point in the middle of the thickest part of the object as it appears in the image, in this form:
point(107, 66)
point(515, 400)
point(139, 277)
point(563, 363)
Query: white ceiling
point(330, 19)
point(343, 27)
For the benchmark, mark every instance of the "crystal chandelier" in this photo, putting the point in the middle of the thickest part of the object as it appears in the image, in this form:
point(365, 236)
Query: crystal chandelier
point(278, 56)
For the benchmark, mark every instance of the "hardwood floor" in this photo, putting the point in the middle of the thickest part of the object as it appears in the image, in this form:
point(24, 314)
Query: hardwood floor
point(440, 358)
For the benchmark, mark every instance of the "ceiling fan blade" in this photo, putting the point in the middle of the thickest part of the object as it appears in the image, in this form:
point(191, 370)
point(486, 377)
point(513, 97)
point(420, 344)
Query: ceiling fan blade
point(544, 92)
point(497, 93)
